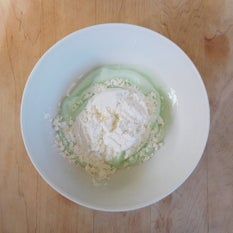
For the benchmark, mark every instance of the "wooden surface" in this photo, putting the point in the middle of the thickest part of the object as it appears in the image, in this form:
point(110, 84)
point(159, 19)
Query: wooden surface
point(204, 29)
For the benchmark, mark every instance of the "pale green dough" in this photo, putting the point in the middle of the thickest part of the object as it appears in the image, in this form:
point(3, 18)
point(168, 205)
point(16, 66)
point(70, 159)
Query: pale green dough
point(73, 104)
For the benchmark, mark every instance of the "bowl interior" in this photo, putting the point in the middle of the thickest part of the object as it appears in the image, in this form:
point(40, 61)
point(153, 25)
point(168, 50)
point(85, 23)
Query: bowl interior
point(130, 45)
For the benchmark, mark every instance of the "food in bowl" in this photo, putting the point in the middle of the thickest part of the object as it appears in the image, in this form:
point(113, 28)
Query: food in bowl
point(112, 119)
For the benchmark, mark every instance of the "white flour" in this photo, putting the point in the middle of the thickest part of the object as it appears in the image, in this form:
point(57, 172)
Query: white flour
point(114, 121)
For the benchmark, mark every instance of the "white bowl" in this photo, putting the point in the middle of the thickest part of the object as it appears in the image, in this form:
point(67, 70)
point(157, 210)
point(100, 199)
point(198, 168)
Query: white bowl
point(124, 44)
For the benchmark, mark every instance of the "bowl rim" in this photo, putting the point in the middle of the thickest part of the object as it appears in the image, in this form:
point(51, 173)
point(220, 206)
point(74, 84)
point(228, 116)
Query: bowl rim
point(59, 189)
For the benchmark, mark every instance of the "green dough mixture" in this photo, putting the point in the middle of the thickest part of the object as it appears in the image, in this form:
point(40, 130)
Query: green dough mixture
point(114, 117)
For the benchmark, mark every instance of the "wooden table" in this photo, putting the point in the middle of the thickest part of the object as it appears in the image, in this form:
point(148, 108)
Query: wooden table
point(204, 29)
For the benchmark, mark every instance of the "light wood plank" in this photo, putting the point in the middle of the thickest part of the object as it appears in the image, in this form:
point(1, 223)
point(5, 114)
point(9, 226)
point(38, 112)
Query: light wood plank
point(186, 209)
point(219, 72)
point(28, 204)
point(134, 221)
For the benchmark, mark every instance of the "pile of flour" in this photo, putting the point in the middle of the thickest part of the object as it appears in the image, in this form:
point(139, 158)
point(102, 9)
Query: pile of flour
point(114, 121)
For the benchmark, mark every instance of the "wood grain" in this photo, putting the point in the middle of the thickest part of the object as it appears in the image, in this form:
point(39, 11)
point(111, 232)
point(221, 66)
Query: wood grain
point(204, 29)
